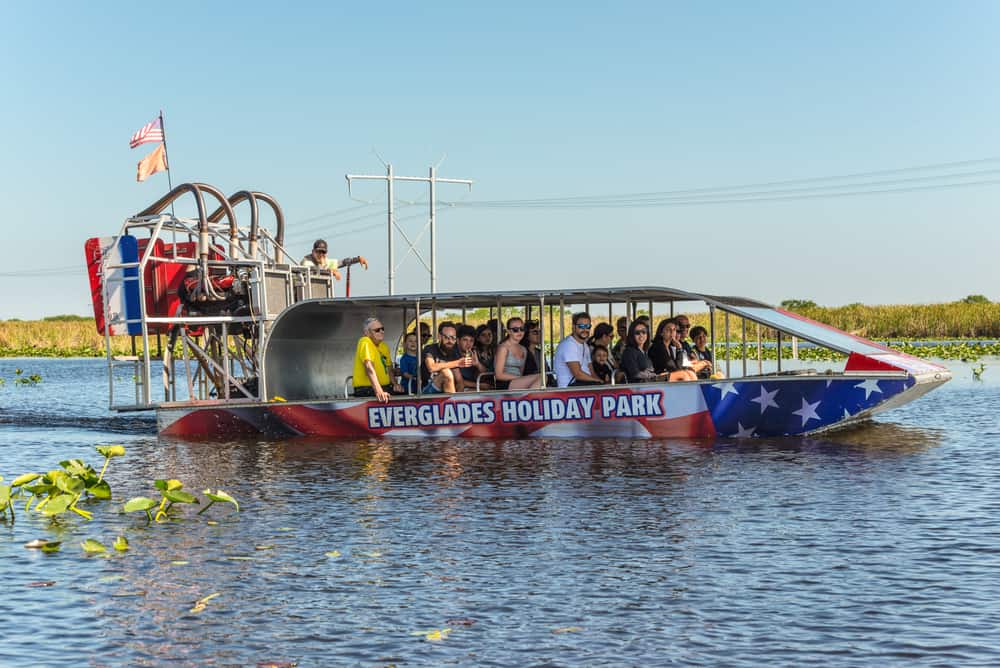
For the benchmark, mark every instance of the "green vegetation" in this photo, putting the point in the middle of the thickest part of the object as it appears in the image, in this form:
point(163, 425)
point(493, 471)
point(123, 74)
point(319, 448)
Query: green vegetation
point(58, 492)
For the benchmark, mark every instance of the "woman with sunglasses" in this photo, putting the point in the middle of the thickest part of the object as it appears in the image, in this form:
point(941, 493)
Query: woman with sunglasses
point(667, 354)
point(510, 360)
point(636, 364)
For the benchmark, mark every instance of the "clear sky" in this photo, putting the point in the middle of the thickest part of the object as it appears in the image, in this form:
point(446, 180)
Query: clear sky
point(532, 101)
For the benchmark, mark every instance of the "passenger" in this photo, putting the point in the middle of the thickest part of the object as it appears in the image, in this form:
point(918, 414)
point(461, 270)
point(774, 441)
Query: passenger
point(689, 359)
point(408, 363)
point(683, 327)
point(619, 347)
point(601, 336)
point(485, 346)
point(317, 258)
point(702, 352)
point(533, 342)
point(600, 362)
point(647, 321)
point(425, 334)
point(636, 364)
point(372, 366)
point(511, 358)
point(572, 362)
point(467, 348)
point(440, 360)
point(667, 355)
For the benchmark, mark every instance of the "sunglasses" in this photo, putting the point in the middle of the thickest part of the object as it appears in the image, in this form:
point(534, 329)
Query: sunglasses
point(448, 337)
point(683, 326)
point(641, 331)
point(535, 332)
point(583, 326)
point(378, 329)
point(516, 329)
point(319, 252)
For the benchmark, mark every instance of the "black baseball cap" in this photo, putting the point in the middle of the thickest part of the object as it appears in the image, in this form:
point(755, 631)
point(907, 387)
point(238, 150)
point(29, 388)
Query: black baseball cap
point(319, 244)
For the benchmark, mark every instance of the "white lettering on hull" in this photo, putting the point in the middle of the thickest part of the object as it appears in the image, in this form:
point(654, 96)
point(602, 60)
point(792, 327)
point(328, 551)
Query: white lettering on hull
point(560, 408)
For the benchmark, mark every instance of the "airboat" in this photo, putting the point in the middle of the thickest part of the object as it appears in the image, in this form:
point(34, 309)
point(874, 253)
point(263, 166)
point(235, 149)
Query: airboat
point(231, 337)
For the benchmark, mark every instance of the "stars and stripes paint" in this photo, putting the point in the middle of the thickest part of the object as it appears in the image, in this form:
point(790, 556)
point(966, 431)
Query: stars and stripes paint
point(150, 132)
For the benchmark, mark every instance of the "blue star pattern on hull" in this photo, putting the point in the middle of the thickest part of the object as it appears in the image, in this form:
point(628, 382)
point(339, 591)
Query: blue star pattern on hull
point(785, 407)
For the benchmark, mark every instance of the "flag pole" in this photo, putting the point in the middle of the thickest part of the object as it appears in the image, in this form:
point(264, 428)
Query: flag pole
point(166, 156)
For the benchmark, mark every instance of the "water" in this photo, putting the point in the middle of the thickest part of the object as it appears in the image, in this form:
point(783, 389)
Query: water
point(873, 547)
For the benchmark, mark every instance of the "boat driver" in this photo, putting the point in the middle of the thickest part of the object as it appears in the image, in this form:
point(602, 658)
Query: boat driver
point(318, 258)
point(373, 371)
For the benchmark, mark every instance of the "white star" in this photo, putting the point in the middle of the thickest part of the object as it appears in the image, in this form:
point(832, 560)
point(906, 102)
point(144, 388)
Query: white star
point(829, 382)
point(766, 399)
point(869, 386)
point(726, 388)
point(742, 432)
point(807, 412)
point(847, 414)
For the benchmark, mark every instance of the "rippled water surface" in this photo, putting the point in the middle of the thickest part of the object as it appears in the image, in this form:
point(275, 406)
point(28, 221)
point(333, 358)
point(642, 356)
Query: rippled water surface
point(873, 547)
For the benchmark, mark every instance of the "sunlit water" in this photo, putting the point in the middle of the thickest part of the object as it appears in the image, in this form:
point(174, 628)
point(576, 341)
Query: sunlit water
point(871, 547)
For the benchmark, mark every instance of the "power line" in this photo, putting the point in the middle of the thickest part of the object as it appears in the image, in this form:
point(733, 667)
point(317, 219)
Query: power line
point(625, 204)
point(769, 184)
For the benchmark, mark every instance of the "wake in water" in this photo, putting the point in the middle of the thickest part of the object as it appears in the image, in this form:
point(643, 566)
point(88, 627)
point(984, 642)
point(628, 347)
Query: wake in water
point(133, 424)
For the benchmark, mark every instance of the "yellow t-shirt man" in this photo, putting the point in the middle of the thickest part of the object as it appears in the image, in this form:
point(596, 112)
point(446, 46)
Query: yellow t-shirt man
point(379, 355)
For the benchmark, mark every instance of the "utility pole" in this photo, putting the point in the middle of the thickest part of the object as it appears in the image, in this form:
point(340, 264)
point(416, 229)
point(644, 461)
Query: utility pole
point(432, 180)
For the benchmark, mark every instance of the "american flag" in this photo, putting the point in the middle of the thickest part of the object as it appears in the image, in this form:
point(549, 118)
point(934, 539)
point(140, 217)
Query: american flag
point(152, 131)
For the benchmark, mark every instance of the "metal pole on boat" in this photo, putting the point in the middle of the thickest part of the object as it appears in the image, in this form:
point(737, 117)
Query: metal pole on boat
point(392, 265)
point(728, 374)
point(541, 327)
point(433, 238)
point(711, 331)
point(743, 345)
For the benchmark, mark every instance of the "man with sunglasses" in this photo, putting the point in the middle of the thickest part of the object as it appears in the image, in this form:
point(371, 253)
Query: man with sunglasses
point(373, 372)
point(439, 360)
point(318, 258)
point(572, 361)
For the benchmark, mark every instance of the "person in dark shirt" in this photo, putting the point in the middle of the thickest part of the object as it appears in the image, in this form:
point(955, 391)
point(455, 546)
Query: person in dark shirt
point(467, 347)
point(667, 355)
point(635, 362)
point(600, 365)
point(441, 359)
point(701, 351)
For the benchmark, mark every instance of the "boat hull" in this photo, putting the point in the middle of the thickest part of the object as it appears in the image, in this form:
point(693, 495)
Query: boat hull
point(743, 408)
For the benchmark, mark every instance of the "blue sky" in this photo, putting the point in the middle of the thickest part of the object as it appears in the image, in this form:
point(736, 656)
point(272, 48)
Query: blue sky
point(531, 102)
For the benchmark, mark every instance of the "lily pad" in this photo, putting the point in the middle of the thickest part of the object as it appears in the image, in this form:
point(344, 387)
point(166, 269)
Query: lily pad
point(101, 490)
point(140, 503)
point(221, 496)
point(58, 504)
point(178, 496)
point(121, 543)
point(333, 554)
point(91, 545)
point(25, 479)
